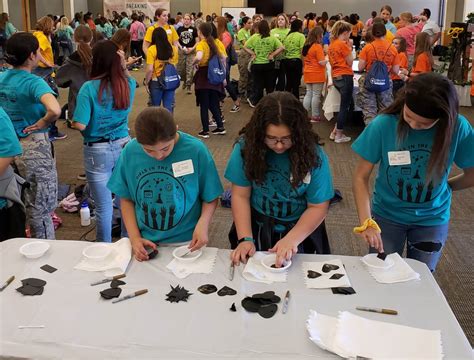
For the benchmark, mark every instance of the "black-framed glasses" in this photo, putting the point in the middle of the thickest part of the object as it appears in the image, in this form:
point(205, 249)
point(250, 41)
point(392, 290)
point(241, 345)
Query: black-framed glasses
point(272, 141)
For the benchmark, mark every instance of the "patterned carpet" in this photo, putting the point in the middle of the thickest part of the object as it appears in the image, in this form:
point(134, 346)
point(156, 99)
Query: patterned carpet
point(454, 273)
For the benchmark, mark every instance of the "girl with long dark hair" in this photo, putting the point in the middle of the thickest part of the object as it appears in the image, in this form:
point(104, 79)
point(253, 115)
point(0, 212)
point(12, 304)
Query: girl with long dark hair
point(281, 183)
point(159, 54)
point(415, 143)
point(32, 107)
point(101, 114)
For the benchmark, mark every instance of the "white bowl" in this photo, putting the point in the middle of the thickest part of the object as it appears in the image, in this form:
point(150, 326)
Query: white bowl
point(34, 249)
point(268, 260)
point(373, 261)
point(97, 252)
point(190, 257)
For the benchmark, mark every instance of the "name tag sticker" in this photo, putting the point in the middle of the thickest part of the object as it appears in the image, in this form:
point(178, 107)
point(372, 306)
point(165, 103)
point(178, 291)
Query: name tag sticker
point(190, 30)
point(307, 178)
point(168, 31)
point(396, 158)
point(183, 168)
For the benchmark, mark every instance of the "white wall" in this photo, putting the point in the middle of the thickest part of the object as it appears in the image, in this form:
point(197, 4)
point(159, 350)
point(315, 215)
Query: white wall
point(45, 7)
point(468, 8)
point(14, 12)
point(185, 6)
point(80, 5)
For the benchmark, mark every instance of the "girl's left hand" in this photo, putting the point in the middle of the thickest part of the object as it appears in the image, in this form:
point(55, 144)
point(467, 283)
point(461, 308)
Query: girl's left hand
point(200, 237)
point(284, 249)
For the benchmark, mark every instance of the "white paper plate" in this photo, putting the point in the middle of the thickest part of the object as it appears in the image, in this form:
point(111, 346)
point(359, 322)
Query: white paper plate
point(373, 261)
point(268, 260)
point(97, 252)
point(34, 249)
point(179, 254)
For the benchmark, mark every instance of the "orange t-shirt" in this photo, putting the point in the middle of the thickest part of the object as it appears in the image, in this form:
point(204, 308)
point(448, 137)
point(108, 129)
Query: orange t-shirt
point(379, 49)
point(403, 62)
point(357, 28)
point(313, 71)
point(422, 65)
point(338, 51)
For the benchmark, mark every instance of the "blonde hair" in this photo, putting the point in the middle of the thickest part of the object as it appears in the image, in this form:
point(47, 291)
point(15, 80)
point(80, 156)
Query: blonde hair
point(63, 25)
point(423, 45)
point(287, 22)
point(339, 28)
point(407, 16)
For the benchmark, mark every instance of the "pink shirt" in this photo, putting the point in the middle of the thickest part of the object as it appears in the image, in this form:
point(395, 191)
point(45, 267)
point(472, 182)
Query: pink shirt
point(226, 39)
point(135, 28)
point(408, 33)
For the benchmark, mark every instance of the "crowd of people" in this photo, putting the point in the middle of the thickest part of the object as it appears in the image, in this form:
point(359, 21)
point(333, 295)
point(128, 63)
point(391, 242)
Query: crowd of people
point(166, 181)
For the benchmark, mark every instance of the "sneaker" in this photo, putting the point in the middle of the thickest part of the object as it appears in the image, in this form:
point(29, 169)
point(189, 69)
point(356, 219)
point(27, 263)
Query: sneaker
point(342, 139)
point(332, 135)
point(81, 177)
point(212, 123)
point(219, 131)
point(58, 136)
point(250, 103)
point(204, 134)
point(235, 109)
point(315, 119)
point(188, 90)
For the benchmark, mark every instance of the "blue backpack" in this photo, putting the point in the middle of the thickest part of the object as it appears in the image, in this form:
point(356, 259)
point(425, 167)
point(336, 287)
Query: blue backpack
point(377, 79)
point(169, 78)
point(216, 71)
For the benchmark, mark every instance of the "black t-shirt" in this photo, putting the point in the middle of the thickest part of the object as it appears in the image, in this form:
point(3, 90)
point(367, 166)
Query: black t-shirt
point(187, 36)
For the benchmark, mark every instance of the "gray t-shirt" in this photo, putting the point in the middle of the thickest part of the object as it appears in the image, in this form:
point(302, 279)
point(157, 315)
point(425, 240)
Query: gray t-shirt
point(431, 28)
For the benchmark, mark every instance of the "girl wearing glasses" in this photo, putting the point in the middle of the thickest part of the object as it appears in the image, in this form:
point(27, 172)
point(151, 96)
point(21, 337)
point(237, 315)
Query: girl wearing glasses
point(415, 142)
point(281, 183)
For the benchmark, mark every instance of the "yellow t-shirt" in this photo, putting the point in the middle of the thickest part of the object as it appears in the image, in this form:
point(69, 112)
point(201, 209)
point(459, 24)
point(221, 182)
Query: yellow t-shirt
point(45, 48)
point(158, 65)
point(389, 36)
point(172, 37)
point(202, 46)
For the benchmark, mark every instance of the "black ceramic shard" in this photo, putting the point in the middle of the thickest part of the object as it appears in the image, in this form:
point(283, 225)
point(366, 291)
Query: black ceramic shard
point(233, 308)
point(343, 290)
point(250, 304)
point(178, 294)
point(336, 276)
point(48, 268)
point(329, 267)
point(207, 289)
point(33, 282)
point(110, 293)
point(266, 295)
point(116, 283)
point(267, 311)
point(382, 256)
point(30, 290)
point(226, 291)
point(151, 252)
point(313, 274)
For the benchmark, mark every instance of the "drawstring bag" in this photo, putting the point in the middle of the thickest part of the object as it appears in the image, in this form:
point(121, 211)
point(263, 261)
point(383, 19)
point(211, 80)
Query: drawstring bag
point(216, 73)
point(377, 79)
point(169, 78)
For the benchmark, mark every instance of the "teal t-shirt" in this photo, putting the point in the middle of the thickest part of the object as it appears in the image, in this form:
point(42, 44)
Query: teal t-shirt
point(101, 119)
point(167, 207)
point(68, 31)
point(108, 30)
point(20, 97)
point(124, 23)
point(275, 197)
point(9, 144)
point(293, 44)
point(401, 193)
point(262, 47)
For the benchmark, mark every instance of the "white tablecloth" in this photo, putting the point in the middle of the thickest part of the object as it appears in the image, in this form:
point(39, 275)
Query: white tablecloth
point(80, 324)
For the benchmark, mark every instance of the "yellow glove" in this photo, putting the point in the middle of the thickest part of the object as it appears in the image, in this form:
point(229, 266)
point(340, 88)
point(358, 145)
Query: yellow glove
point(368, 223)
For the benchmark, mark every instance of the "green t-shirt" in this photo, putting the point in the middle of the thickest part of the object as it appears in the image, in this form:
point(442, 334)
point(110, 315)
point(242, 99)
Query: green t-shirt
point(262, 47)
point(294, 43)
point(280, 34)
point(243, 35)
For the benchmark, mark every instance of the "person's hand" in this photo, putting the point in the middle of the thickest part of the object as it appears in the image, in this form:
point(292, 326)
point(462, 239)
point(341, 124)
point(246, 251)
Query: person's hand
point(270, 57)
point(284, 249)
point(40, 124)
point(200, 237)
point(242, 252)
point(372, 238)
point(138, 248)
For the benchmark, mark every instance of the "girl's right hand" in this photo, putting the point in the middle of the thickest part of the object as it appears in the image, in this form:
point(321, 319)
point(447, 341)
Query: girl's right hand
point(138, 248)
point(242, 252)
point(372, 238)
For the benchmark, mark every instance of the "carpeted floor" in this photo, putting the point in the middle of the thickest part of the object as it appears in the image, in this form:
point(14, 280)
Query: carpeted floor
point(454, 273)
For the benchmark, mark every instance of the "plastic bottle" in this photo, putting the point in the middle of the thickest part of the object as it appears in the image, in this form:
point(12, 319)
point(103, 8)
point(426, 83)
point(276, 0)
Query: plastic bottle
point(354, 53)
point(85, 214)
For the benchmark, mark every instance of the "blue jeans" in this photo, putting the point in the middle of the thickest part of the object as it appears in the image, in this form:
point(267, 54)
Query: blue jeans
point(424, 243)
point(345, 85)
point(158, 96)
point(99, 162)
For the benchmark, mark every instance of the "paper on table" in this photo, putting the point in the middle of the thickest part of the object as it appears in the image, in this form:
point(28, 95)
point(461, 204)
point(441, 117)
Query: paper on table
point(202, 265)
point(114, 264)
point(323, 282)
point(358, 336)
point(399, 272)
point(254, 271)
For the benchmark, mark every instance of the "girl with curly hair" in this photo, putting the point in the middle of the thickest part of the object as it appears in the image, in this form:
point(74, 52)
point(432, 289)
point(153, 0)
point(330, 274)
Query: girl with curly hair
point(281, 183)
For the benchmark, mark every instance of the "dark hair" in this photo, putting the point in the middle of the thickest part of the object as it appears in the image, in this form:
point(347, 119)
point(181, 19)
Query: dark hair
point(122, 38)
point(164, 50)
point(19, 47)
point(373, 14)
point(134, 17)
point(403, 44)
point(427, 12)
point(432, 96)
point(279, 108)
point(245, 20)
point(353, 19)
point(83, 36)
point(158, 12)
point(386, 7)
point(379, 30)
point(264, 29)
point(154, 124)
point(199, 14)
point(107, 67)
point(206, 31)
point(295, 26)
point(315, 36)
